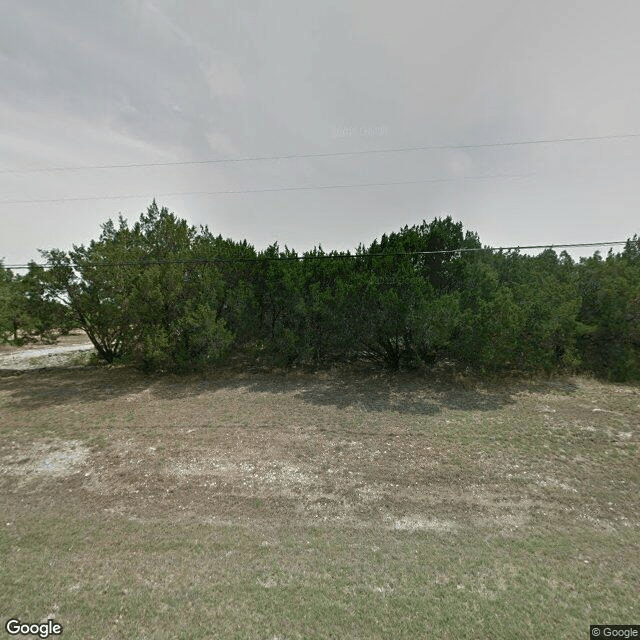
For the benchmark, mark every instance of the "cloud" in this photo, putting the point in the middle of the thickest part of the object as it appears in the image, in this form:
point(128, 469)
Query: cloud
point(166, 24)
point(224, 79)
point(220, 143)
point(140, 80)
point(60, 139)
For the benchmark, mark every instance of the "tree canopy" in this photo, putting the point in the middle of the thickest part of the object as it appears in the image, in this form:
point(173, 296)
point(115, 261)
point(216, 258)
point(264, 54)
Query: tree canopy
point(164, 295)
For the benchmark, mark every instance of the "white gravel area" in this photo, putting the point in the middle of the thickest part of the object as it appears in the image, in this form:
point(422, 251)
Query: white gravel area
point(22, 359)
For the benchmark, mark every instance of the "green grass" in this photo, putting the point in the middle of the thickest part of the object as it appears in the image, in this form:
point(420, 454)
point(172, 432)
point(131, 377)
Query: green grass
point(312, 582)
point(318, 506)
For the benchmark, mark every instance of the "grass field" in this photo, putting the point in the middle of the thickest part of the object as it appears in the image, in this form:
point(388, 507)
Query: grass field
point(327, 505)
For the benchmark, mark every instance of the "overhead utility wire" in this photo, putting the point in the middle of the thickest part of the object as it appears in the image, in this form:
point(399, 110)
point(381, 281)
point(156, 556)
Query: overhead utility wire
point(329, 154)
point(326, 257)
point(268, 190)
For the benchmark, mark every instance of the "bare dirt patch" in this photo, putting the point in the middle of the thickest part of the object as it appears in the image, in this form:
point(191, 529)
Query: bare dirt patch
point(41, 460)
point(420, 523)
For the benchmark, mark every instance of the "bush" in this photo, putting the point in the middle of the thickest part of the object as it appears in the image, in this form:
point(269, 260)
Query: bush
point(165, 296)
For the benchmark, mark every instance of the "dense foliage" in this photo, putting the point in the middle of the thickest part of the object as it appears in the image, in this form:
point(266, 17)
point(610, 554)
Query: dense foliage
point(28, 312)
point(167, 296)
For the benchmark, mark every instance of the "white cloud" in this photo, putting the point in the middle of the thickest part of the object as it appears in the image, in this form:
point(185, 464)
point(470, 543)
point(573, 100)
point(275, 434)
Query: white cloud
point(167, 24)
point(224, 80)
point(458, 163)
point(164, 80)
point(220, 143)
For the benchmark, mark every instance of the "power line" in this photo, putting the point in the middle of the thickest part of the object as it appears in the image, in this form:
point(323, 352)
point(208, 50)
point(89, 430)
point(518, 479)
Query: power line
point(205, 261)
point(268, 190)
point(332, 154)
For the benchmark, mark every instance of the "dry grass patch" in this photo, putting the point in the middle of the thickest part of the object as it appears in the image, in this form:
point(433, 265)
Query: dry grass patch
point(317, 506)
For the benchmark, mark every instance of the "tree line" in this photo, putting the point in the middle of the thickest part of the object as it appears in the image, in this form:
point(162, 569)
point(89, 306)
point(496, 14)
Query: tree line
point(167, 296)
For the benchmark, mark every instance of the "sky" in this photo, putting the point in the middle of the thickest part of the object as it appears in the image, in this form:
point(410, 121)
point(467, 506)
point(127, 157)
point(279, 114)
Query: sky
point(139, 82)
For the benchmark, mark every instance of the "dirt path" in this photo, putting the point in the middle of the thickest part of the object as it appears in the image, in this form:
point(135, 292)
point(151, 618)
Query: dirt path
point(35, 356)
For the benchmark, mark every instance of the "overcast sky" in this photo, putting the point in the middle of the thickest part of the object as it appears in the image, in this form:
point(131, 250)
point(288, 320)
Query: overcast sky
point(153, 81)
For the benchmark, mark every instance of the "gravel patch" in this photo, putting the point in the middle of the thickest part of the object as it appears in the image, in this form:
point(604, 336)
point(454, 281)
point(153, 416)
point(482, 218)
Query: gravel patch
point(44, 357)
point(57, 459)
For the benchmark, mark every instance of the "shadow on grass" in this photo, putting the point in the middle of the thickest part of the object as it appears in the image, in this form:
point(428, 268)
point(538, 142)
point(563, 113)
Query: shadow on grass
point(406, 393)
